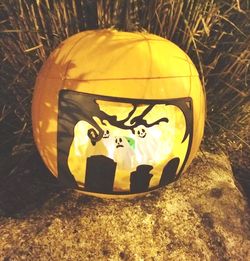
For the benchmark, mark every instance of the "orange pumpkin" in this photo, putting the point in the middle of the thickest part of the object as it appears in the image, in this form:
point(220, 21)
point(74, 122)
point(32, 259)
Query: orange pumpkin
point(118, 114)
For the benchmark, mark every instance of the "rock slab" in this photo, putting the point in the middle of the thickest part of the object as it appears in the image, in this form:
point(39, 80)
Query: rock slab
point(202, 216)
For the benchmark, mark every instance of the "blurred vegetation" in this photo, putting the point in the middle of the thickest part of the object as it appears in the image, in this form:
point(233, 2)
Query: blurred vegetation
point(214, 33)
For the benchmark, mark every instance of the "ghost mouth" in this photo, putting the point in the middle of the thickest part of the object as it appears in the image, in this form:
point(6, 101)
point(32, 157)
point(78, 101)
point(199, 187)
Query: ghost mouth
point(119, 146)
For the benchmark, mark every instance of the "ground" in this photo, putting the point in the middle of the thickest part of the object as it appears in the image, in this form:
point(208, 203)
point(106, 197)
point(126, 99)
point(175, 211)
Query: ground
point(202, 216)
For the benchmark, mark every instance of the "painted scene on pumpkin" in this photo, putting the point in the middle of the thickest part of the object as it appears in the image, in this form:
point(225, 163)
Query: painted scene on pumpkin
point(126, 146)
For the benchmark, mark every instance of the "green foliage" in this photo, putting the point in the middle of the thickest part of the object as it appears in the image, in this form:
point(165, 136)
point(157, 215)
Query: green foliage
point(215, 34)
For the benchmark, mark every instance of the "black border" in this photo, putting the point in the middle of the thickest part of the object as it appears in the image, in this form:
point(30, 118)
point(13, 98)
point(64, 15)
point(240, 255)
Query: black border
point(72, 101)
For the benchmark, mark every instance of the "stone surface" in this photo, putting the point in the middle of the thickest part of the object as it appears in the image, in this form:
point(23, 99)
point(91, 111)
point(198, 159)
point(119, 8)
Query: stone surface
point(203, 216)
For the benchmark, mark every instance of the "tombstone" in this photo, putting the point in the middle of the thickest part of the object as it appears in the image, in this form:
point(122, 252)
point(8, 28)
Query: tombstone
point(100, 174)
point(169, 172)
point(139, 179)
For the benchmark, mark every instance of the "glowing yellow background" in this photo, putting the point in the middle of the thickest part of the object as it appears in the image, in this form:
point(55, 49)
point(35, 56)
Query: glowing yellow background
point(161, 143)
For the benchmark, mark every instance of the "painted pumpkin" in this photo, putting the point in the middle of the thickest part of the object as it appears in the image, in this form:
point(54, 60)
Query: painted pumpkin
point(118, 114)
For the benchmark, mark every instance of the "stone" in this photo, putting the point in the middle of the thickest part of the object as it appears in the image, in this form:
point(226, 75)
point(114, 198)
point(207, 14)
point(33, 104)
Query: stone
point(202, 216)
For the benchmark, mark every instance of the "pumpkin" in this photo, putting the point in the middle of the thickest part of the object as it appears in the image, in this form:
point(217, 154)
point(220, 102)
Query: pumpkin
point(118, 114)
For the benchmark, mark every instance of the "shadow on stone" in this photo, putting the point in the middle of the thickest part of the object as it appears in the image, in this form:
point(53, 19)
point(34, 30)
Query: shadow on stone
point(28, 188)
